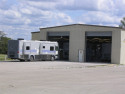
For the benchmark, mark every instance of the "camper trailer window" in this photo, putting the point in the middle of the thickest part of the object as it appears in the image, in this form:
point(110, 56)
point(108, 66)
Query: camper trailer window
point(51, 48)
point(27, 48)
point(56, 48)
point(44, 47)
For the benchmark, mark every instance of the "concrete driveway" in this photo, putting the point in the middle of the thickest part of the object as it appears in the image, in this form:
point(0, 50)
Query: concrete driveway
point(61, 77)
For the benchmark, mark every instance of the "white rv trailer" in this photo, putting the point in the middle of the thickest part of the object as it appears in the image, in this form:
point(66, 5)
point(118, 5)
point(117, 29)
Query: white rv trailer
point(32, 50)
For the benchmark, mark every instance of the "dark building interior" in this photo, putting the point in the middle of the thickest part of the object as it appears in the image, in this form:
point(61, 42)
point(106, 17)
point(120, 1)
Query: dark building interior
point(63, 42)
point(98, 48)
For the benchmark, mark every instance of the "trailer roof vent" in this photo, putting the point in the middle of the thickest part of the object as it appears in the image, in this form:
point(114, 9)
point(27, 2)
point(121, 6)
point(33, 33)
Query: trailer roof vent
point(20, 39)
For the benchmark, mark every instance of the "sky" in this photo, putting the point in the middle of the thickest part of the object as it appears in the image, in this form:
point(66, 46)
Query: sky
point(18, 18)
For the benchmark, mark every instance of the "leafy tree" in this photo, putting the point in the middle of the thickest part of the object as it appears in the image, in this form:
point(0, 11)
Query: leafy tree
point(2, 34)
point(4, 45)
point(122, 25)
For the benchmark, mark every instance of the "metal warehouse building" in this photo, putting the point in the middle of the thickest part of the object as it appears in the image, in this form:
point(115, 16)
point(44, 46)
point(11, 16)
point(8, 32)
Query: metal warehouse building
point(86, 43)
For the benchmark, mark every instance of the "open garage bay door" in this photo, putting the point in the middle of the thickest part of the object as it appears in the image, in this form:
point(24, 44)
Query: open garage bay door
point(63, 39)
point(98, 46)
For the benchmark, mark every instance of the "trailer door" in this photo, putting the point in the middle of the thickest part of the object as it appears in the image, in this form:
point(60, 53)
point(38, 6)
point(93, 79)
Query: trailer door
point(27, 48)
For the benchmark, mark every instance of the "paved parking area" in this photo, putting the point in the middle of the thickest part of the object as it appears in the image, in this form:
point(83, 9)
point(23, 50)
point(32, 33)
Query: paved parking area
point(61, 77)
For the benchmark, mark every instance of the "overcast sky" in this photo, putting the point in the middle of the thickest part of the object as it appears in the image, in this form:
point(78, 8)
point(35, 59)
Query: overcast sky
point(18, 18)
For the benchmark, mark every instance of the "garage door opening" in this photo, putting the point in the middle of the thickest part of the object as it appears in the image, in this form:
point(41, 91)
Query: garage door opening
point(63, 41)
point(98, 49)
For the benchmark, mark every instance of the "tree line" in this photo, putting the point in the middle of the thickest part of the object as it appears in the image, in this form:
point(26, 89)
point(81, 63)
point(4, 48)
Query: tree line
point(122, 24)
point(4, 44)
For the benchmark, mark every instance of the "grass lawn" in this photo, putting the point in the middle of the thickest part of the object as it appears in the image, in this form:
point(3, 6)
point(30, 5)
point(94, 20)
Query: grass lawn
point(3, 57)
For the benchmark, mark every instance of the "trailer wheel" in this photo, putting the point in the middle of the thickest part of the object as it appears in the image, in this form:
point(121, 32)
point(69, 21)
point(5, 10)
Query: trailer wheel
point(52, 58)
point(31, 58)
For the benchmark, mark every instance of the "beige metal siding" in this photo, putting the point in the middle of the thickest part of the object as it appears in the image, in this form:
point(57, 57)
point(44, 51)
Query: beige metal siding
point(116, 47)
point(122, 61)
point(36, 36)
